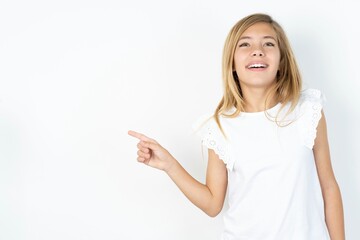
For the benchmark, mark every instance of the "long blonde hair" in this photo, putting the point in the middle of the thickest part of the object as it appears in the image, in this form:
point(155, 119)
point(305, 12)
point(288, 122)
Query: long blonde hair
point(288, 80)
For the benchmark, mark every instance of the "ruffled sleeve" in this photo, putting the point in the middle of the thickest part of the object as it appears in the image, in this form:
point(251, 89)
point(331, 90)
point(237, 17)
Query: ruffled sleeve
point(312, 102)
point(212, 138)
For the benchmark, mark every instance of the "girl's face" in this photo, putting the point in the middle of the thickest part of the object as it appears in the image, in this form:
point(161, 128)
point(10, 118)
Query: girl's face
point(257, 57)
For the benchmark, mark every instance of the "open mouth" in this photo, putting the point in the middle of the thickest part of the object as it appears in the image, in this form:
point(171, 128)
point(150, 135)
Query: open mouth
point(256, 66)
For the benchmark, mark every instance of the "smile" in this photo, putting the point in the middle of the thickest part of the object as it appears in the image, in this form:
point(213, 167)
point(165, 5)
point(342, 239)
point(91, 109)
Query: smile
point(256, 65)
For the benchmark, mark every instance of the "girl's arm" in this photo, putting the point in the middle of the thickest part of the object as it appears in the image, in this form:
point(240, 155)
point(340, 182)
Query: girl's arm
point(334, 214)
point(208, 197)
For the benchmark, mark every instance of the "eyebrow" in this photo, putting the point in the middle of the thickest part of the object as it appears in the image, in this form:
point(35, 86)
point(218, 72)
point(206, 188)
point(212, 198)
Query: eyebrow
point(265, 37)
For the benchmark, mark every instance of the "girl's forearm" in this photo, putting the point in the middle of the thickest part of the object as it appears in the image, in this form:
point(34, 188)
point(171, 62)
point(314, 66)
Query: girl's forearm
point(199, 194)
point(334, 214)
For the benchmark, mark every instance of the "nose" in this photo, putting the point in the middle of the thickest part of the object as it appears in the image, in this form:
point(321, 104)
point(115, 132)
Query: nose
point(258, 52)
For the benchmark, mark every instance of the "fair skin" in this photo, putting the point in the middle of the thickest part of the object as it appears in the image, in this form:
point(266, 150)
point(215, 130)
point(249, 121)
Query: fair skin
point(257, 45)
point(209, 197)
point(256, 62)
point(334, 213)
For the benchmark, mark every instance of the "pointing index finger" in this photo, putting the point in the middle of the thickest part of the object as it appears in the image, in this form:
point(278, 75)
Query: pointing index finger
point(139, 136)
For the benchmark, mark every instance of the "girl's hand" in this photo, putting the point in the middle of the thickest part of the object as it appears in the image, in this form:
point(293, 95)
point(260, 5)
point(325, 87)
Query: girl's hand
point(152, 153)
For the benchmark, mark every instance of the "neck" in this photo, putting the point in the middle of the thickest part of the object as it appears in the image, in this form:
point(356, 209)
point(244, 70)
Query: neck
point(258, 100)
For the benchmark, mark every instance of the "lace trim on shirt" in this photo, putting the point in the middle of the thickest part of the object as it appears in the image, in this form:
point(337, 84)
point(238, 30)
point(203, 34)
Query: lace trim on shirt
point(212, 138)
point(313, 101)
point(210, 142)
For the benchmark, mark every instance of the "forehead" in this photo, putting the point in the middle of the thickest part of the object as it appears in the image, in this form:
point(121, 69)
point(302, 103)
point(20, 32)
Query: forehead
point(260, 29)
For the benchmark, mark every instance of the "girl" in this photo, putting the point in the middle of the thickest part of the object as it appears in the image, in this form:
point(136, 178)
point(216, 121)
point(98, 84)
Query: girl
point(267, 146)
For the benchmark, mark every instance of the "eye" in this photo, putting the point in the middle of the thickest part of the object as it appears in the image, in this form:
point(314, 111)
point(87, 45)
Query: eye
point(245, 44)
point(269, 44)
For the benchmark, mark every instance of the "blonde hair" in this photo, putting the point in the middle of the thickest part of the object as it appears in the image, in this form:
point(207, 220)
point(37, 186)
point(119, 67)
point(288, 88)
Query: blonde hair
point(288, 81)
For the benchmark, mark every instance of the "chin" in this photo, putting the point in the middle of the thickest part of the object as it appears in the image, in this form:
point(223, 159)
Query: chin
point(258, 83)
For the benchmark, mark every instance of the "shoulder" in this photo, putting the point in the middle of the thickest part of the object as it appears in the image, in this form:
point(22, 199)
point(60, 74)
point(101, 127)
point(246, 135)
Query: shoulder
point(208, 121)
point(312, 95)
point(203, 122)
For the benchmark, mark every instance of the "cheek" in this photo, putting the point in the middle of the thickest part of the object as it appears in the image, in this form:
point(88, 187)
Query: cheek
point(239, 61)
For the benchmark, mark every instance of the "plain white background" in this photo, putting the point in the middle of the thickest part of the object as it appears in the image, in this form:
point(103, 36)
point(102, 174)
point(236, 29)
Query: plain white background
point(75, 76)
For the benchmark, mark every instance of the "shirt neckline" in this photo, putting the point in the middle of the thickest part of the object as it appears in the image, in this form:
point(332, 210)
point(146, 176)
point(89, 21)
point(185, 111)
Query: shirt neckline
point(269, 111)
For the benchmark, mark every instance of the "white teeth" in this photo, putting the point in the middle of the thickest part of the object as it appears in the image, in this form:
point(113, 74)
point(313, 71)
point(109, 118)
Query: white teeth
point(257, 65)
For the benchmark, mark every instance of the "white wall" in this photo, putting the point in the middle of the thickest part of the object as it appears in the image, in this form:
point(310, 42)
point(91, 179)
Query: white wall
point(76, 75)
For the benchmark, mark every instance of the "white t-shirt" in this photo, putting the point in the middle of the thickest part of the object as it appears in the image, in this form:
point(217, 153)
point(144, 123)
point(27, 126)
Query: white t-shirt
point(273, 188)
